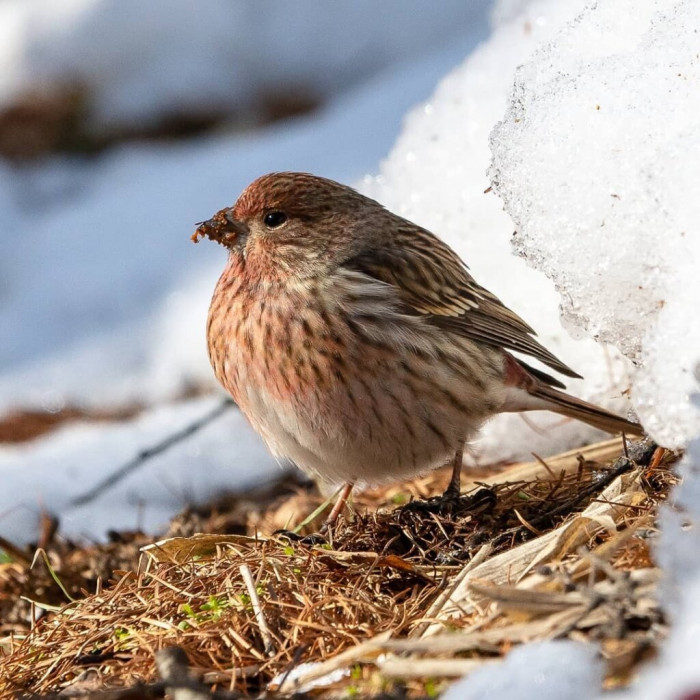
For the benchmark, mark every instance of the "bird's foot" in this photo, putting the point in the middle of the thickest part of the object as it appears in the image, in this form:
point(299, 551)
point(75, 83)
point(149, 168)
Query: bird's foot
point(447, 504)
point(453, 503)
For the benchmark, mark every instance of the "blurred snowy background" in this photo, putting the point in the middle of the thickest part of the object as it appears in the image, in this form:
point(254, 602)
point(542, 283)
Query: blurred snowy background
point(122, 123)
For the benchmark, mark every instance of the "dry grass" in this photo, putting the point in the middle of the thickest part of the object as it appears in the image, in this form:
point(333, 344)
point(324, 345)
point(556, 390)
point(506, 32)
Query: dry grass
point(401, 599)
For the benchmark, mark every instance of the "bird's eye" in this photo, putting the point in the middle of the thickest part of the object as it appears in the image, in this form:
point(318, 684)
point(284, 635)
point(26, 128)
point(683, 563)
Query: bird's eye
point(274, 219)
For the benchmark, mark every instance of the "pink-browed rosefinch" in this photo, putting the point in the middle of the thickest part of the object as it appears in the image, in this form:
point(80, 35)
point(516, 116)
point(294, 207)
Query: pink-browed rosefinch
point(357, 343)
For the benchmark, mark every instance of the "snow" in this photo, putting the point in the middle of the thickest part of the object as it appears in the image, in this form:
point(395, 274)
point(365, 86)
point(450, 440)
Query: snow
point(49, 473)
point(606, 116)
point(537, 671)
point(290, 678)
point(675, 673)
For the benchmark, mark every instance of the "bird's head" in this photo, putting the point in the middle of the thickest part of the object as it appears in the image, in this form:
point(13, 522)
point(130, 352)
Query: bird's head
point(304, 224)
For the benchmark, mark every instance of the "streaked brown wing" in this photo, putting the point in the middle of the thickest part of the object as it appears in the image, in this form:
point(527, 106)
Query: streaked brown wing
point(434, 282)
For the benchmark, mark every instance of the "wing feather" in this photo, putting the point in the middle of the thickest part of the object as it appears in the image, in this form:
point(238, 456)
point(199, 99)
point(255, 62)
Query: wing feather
point(432, 281)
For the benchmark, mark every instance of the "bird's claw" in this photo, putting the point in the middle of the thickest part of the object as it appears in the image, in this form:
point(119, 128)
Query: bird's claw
point(452, 503)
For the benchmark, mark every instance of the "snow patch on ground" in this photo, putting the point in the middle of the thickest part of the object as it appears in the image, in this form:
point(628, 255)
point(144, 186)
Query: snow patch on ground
point(50, 472)
point(538, 671)
point(675, 673)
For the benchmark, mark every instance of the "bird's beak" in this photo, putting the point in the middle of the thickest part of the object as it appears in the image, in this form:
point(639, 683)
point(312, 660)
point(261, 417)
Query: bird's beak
point(221, 228)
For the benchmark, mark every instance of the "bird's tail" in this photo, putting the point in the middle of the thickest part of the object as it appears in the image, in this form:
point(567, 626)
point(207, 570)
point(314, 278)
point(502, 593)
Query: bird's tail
point(568, 405)
point(529, 389)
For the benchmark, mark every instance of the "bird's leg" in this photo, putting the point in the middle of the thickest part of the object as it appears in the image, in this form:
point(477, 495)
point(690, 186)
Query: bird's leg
point(338, 506)
point(452, 491)
point(449, 502)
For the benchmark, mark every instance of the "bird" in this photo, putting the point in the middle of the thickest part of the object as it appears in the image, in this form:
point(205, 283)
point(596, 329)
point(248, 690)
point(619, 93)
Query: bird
point(358, 344)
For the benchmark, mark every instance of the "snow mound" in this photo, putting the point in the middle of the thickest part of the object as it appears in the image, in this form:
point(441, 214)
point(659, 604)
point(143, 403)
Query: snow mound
point(50, 472)
point(597, 161)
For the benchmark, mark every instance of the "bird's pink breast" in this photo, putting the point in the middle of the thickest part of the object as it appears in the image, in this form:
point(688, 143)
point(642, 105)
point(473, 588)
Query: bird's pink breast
point(263, 336)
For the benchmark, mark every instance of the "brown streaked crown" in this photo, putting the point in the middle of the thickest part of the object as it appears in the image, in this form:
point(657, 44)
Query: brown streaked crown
point(298, 194)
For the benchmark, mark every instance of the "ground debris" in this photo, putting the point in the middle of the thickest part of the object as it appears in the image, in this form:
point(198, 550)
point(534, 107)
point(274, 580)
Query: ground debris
point(399, 599)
